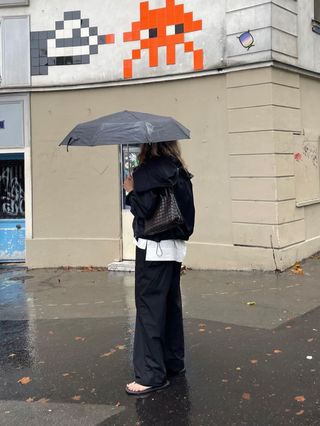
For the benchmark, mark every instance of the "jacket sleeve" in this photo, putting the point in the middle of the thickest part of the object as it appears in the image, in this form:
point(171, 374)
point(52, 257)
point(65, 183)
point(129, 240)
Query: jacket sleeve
point(143, 204)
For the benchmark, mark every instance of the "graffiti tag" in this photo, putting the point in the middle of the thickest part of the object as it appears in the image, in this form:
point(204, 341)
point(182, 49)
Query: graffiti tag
point(13, 200)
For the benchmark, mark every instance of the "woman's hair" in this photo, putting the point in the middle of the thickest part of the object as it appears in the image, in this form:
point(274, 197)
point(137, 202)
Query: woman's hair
point(169, 149)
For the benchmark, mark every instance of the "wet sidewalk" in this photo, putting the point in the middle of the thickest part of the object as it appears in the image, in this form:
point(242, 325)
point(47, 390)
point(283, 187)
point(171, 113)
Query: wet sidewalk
point(252, 345)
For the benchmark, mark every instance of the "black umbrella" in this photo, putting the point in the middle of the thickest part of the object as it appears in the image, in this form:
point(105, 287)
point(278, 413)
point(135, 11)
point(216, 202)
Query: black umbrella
point(126, 127)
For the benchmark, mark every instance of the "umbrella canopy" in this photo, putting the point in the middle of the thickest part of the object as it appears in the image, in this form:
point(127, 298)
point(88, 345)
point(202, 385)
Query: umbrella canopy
point(126, 127)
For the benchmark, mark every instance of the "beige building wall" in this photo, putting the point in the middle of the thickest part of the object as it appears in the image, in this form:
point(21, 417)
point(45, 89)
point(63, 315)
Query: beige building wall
point(76, 194)
point(246, 127)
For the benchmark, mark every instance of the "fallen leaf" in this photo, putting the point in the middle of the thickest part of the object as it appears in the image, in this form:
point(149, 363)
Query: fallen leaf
point(299, 413)
point(297, 269)
point(112, 351)
point(24, 380)
point(253, 361)
point(300, 398)
point(87, 269)
point(30, 399)
point(246, 396)
point(43, 400)
point(277, 351)
point(76, 398)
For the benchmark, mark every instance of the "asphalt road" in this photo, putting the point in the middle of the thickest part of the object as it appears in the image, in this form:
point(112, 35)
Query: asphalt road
point(252, 344)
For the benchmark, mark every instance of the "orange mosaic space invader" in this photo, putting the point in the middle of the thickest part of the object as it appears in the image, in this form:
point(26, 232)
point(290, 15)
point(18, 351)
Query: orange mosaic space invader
point(166, 27)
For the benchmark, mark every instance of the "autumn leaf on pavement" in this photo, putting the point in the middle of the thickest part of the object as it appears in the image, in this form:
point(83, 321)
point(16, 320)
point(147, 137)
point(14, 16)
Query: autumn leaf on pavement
point(76, 398)
point(43, 400)
point(87, 269)
point(297, 269)
point(24, 380)
point(300, 398)
point(112, 351)
point(246, 396)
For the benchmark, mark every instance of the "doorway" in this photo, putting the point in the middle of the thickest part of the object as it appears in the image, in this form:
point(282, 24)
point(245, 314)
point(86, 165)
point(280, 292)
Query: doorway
point(129, 160)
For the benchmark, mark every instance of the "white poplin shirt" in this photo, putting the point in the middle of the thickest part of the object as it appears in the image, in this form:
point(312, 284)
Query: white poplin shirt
point(165, 250)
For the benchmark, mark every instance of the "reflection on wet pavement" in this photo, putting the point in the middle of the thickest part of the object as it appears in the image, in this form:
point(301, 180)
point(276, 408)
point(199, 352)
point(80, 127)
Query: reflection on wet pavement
point(71, 333)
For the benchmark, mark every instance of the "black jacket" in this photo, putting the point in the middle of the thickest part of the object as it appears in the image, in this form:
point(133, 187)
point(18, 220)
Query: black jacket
point(149, 179)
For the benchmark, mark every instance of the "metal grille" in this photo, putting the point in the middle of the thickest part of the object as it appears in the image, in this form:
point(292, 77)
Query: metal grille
point(12, 205)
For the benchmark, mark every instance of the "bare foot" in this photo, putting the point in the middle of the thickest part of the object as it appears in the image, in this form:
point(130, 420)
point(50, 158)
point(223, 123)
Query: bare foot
point(135, 387)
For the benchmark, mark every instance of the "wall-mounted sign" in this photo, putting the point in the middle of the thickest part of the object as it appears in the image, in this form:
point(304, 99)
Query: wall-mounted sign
point(2, 124)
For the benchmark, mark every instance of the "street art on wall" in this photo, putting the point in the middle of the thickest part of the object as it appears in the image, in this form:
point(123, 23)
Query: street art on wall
point(11, 189)
point(162, 27)
point(73, 41)
point(246, 39)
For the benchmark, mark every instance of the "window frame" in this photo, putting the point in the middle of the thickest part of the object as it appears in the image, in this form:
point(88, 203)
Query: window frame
point(316, 11)
point(19, 3)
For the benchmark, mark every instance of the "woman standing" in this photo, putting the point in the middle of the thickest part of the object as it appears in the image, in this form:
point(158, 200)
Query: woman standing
point(159, 342)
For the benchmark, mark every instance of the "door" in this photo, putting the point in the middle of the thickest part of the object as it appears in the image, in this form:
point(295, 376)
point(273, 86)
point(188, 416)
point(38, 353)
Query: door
point(129, 160)
point(12, 208)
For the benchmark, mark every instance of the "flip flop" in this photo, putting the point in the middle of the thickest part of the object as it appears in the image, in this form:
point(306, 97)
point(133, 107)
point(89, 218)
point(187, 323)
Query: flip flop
point(148, 390)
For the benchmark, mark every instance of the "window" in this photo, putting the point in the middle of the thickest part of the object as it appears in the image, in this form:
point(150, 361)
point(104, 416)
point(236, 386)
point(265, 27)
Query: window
point(11, 124)
point(317, 10)
point(6, 3)
point(14, 51)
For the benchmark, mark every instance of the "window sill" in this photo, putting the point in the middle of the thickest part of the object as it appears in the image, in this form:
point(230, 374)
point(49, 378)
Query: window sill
point(308, 202)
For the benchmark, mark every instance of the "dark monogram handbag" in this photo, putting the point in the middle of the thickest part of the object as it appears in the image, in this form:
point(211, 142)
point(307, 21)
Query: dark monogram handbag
point(166, 216)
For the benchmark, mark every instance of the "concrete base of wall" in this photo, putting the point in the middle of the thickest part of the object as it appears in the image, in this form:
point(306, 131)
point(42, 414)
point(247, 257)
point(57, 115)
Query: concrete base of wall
point(45, 253)
point(228, 257)
point(56, 252)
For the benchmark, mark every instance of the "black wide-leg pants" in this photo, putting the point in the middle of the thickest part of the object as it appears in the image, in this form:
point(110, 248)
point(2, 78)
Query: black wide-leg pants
point(158, 340)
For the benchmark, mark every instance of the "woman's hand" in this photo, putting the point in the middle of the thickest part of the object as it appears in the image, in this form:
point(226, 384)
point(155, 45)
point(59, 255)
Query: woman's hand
point(128, 184)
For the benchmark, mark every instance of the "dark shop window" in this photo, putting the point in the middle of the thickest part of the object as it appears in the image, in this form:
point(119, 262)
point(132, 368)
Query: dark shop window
point(317, 10)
